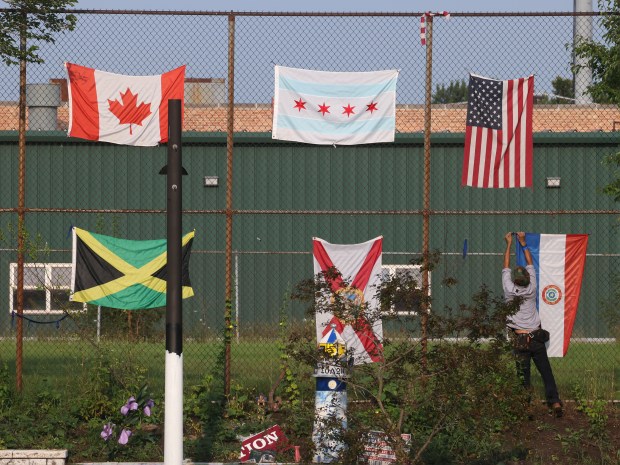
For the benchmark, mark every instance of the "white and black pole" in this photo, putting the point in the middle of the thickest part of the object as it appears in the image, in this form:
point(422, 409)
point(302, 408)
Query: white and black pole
point(173, 412)
point(330, 408)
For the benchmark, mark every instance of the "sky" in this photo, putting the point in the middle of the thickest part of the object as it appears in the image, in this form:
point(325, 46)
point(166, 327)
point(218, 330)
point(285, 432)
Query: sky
point(451, 6)
point(102, 50)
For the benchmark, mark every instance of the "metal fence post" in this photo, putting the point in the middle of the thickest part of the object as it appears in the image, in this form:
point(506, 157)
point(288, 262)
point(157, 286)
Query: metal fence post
point(21, 207)
point(427, 178)
point(229, 190)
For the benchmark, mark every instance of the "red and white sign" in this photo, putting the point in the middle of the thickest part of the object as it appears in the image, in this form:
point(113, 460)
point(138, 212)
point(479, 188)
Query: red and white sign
point(126, 110)
point(271, 441)
point(377, 449)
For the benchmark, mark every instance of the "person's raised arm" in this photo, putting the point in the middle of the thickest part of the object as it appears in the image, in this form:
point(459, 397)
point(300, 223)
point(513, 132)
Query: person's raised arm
point(526, 250)
point(508, 239)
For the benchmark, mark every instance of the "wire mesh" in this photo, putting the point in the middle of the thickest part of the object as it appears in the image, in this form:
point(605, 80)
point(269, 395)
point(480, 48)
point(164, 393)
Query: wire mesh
point(283, 194)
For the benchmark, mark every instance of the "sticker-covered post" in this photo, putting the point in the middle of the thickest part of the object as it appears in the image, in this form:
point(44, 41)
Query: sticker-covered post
point(330, 398)
point(173, 413)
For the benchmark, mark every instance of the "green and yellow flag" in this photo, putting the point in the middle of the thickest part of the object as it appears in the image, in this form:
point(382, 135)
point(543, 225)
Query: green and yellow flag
point(122, 273)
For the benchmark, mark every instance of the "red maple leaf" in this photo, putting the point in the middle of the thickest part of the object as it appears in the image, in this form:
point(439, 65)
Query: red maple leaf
point(129, 112)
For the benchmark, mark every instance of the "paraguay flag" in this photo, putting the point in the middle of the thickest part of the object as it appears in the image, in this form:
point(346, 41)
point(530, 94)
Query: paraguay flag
point(359, 267)
point(559, 260)
point(326, 107)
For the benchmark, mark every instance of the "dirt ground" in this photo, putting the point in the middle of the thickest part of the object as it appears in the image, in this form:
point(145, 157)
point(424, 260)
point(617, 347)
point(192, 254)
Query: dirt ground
point(568, 440)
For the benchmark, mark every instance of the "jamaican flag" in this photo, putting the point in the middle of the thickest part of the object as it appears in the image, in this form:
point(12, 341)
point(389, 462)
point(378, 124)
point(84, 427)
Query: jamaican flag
point(121, 273)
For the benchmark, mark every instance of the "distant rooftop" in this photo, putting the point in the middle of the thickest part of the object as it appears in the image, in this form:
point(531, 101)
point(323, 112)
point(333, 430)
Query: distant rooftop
point(409, 118)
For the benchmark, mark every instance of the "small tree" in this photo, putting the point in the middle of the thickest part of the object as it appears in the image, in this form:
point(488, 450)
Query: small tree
point(563, 91)
point(36, 21)
point(563, 87)
point(456, 399)
point(455, 92)
point(603, 57)
point(613, 188)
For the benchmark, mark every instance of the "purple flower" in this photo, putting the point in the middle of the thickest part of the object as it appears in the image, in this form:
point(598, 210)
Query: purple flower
point(147, 407)
point(124, 437)
point(107, 431)
point(130, 405)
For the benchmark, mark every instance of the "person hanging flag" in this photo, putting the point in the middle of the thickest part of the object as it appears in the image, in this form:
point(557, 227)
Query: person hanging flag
point(334, 108)
point(358, 269)
point(498, 135)
point(559, 261)
point(122, 273)
point(126, 110)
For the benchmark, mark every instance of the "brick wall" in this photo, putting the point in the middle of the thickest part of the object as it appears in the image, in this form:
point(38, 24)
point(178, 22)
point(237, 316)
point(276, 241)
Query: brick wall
point(409, 118)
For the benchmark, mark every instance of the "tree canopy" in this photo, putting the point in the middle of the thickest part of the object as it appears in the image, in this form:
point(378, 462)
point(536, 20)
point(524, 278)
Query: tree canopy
point(603, 58)
point(563, 91)
point(38, 20)
point(455, 92)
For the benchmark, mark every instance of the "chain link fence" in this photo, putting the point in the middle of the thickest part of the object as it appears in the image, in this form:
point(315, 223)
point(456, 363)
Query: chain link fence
point(283, 194)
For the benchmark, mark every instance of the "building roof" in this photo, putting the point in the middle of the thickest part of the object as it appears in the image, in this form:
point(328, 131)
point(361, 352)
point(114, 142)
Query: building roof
point(409, 118)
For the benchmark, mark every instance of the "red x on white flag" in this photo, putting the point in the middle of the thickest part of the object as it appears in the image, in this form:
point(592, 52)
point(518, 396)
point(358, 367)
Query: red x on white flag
point(359, 268)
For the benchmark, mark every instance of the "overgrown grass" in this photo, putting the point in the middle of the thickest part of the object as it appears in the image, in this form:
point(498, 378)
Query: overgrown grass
point(256, 364)
point(596, 367)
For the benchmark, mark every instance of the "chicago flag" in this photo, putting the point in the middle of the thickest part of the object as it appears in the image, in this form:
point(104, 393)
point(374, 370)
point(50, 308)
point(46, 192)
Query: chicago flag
point(358, 268)
point(559, 260)
point(126, 110)
point(325, 107)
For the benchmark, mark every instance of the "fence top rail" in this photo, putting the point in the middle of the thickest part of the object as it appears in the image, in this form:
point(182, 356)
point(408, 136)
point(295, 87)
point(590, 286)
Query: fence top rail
point(195, 137)
point(317, 13)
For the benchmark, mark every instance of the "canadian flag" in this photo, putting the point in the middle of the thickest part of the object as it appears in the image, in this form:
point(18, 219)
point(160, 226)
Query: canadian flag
point(126, 110)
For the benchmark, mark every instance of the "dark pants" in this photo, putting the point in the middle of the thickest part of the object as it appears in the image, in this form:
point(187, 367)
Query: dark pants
point(538, 352)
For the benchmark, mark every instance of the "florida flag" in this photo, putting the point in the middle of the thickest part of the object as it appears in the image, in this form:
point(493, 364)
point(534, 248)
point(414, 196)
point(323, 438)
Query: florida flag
point(359, 269)
point(325, 107)
point(498, 135)
point(559, 260)
point(126, 110)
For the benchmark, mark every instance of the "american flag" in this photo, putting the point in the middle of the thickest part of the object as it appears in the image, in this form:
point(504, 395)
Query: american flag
point(498, 136)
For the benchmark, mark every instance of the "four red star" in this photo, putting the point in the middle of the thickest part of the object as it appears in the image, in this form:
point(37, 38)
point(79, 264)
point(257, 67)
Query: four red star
point(300, 104)
point(348, 110)
point(324, 108)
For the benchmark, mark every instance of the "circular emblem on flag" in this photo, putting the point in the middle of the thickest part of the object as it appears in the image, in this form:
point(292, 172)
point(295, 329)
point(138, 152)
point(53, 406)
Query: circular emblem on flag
point(352, 300)
point(551, 294)
point(332, 384)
